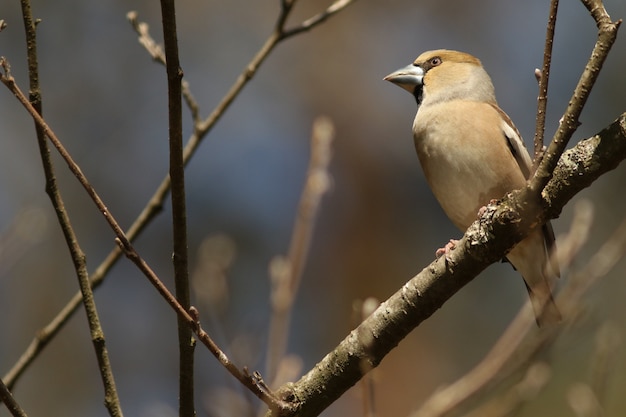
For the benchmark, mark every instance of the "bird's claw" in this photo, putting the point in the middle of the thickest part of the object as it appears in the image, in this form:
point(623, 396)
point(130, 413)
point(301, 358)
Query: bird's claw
point(451, 245)
point(483, 209)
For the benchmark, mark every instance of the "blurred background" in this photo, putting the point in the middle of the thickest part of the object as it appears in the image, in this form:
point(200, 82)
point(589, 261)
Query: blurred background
point(378, 226)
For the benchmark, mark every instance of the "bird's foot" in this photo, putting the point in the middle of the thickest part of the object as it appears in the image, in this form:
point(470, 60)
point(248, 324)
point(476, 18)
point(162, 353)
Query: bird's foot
point(451, 245)
point(483, 209)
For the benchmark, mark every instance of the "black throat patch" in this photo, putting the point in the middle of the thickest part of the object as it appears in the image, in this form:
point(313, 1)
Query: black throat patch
point(418, 94)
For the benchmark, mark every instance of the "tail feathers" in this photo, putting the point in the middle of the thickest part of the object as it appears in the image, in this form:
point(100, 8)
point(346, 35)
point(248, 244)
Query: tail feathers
point(530, 258)
point(546, 311)
point(550, 242)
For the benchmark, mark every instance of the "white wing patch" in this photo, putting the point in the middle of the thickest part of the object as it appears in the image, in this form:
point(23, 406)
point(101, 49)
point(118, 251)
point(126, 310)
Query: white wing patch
point(516, 145)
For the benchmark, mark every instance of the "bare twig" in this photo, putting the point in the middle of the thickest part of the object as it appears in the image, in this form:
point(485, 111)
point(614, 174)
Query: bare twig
point(542, 100)
point(12, 405)
point(286, 273)
point(280, 33)
point(149, 212)
point(7, 79)
point(133, 255)
point(192, 319)
point(111, 399)
point(130, 252)
point(156, 52)
point(607, 33)
point(313, 21)
point(186, 344)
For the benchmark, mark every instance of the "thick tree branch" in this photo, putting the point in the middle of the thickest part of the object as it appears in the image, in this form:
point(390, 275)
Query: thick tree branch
point(521, 343)
point(130, 252)
point(485, 242)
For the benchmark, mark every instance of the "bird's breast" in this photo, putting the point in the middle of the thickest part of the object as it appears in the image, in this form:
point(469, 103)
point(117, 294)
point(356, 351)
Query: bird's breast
point(466, 161)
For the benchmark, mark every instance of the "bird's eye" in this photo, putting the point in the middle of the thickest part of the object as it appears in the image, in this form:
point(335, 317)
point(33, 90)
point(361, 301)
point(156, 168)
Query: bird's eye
point(435, 61)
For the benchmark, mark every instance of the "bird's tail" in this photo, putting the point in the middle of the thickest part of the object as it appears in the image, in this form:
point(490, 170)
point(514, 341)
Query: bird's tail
point(530, 257)
point(546, 311)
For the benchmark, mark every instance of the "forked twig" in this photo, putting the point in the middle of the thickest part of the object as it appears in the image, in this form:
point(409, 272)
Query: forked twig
point(157, 53)
point(607, 33)
point(128, 248)
point(12, 405)
point(544, 78)
point(155, 203)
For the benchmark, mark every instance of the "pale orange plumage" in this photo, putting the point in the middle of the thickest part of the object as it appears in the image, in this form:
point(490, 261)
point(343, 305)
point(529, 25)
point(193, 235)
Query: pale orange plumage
point(471, 153)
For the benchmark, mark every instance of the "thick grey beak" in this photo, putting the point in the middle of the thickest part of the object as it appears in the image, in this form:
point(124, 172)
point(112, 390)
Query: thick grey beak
point(408, 77)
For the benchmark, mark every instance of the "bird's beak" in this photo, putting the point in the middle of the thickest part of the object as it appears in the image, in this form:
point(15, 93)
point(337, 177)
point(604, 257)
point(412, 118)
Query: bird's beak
point(408, 77)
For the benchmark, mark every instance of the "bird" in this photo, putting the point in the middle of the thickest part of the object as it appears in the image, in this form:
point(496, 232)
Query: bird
point(472, 153)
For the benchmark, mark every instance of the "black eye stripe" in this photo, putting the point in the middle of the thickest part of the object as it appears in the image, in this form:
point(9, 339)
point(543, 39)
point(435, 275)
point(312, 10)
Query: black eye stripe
point(431, 63)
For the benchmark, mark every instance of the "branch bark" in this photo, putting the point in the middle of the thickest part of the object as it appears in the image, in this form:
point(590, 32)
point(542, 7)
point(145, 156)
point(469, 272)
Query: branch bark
point(186, 342)
point(12, 405)
point(485, 242)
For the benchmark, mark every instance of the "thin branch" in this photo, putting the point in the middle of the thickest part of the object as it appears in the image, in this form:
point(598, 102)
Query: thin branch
point(607, 33)
point(542, 100)
point(7, 79)
point(279, 34)
point(192, 319)
point(134, 256)
point(186, 344)
point(111, 399)
point(12, 405)
point(286, 273)
point(149, 212)
point(156, 52)
point(313, 21)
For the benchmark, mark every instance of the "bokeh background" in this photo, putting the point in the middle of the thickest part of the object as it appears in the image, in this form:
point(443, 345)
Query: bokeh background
point(378, 227)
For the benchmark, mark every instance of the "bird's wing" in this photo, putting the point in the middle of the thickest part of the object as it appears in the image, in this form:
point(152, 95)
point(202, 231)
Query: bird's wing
point(519, 151)
point(515, 142)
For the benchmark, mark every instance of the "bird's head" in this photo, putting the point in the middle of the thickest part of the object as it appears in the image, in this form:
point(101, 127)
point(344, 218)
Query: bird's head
point(443, 75)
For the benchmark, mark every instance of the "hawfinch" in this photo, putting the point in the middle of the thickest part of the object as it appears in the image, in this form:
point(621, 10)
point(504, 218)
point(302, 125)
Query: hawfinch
point(471, 153)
